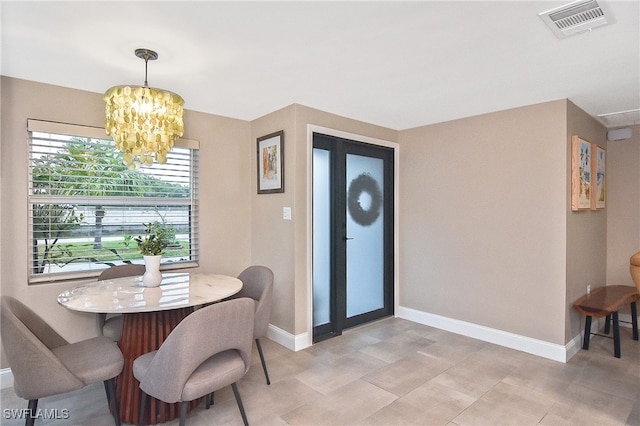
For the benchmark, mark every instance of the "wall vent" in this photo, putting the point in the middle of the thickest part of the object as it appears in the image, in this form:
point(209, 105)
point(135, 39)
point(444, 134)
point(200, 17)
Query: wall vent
point(574, 18)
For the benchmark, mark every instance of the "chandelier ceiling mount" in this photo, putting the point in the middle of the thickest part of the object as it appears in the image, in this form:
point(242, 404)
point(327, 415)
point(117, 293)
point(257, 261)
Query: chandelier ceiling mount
point(147, 55)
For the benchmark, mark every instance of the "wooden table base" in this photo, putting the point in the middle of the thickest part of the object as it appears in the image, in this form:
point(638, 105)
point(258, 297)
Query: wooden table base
point(143, 333)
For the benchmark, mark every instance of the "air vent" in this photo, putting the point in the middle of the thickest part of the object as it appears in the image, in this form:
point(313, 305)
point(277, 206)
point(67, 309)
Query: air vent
point(620, 119)
point(574, 18)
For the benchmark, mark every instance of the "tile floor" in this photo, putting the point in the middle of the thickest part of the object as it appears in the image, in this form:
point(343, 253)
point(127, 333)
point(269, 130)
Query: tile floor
point(396, 372)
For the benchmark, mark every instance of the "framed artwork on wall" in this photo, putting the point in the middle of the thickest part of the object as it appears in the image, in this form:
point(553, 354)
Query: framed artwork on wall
point(598, 181)
point(271, 163)
point(581, 188)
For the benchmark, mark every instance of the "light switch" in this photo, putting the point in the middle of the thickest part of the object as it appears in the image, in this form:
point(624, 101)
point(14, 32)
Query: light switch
point(286, 213)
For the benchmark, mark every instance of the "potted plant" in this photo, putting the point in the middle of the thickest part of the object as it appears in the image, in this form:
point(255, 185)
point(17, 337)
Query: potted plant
point(151, 245)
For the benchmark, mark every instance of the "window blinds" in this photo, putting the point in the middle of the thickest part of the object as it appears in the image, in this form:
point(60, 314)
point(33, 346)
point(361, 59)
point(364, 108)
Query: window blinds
point(86, 206)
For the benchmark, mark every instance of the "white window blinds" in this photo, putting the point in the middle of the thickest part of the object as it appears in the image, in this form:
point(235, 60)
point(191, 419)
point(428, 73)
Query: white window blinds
point(86, 206)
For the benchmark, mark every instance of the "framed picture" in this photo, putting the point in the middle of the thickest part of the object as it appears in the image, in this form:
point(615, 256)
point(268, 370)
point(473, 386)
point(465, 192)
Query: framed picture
point(271, 163)
point(581, 187)
point(598, 188)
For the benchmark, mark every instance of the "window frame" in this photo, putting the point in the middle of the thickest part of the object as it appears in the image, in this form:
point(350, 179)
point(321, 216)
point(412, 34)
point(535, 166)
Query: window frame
point(75, 130)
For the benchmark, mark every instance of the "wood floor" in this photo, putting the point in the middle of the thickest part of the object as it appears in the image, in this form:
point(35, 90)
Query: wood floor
point(395, 372)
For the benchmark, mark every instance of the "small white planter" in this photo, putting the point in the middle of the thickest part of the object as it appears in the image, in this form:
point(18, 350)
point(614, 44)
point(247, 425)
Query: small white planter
point(152, 276)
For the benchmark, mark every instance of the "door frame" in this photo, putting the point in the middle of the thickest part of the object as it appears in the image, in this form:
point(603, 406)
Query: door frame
point(311, 129)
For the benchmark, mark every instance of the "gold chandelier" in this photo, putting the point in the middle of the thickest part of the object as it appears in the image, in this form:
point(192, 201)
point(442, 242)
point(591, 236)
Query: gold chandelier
point(143, 121)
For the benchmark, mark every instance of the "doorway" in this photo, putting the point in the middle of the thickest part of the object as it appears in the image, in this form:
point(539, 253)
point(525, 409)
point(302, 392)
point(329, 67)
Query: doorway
point(353, 239)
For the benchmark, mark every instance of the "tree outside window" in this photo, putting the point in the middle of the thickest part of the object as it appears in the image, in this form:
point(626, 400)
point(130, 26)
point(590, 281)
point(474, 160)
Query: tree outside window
point(87, 206)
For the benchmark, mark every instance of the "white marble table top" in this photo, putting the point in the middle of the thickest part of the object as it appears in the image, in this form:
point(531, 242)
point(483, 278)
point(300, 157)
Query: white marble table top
point(129, 294)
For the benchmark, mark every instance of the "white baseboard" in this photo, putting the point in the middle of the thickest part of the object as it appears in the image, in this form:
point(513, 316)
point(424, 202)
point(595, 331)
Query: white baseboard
point(288, 340)
point(573, 347)
point(514, 341)
point(6, 378)
point(525, 344)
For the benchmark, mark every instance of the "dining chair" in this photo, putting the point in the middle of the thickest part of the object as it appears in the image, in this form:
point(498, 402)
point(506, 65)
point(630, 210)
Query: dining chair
point(257, 284)
point(111, 325)
point(206, 351)
point(44, 364)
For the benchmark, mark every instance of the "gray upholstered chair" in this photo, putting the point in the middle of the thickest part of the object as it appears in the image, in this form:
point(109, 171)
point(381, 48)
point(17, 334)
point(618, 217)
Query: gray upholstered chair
point(44, 364)
point(257, 284)
point(208, 350)
point(111, 325)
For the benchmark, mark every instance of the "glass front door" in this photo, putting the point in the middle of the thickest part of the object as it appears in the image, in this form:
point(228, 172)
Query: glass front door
point(352, 234)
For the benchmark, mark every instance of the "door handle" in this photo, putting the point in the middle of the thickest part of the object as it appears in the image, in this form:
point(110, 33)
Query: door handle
point(347, 238)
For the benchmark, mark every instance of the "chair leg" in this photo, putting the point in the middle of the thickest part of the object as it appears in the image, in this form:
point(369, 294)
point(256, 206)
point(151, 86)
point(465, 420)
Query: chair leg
point(587, 332)
point(209, 400)
point(106, 390)
point(143, 405)
point(616, 335)
point(100, 320)
point(264, 364)
point(31, 411)
point(634, 320)
point(183, 412)
point(239, 401)
point(110, 388)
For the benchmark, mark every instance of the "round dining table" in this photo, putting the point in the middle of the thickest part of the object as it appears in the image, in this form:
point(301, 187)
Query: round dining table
point(148, 316)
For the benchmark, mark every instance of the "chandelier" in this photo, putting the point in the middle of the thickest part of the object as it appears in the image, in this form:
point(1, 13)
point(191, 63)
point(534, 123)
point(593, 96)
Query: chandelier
point(143, 121)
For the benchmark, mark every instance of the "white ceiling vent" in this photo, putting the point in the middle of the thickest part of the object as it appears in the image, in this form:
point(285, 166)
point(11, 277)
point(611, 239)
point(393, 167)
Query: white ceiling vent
point(574, 18)
point(619, 119)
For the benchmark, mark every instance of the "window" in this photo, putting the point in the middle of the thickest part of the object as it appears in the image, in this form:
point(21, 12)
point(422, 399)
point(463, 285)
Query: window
point(86, 206)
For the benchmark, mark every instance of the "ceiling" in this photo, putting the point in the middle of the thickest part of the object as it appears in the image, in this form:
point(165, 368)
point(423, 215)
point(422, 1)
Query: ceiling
point(394, 64)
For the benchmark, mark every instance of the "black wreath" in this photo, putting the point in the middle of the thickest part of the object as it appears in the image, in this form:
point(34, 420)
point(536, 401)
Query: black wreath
point(364, 183)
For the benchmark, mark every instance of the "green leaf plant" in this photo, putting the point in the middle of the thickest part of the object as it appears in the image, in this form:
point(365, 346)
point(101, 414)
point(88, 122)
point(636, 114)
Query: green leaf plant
point(153, 242)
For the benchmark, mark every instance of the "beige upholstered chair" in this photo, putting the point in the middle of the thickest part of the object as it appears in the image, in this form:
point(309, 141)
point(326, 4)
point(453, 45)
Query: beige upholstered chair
point(257, 284)
point(44, 364)
point(208, 350)
point(111, 326)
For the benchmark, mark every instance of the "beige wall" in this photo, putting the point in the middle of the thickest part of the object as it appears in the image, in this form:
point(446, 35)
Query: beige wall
point(623, 206)
point(273, 244)
point(225, 203)
point(483, 220)
point(486, 232)
point(225, 185)
point(282, 244)
point(586, 229)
